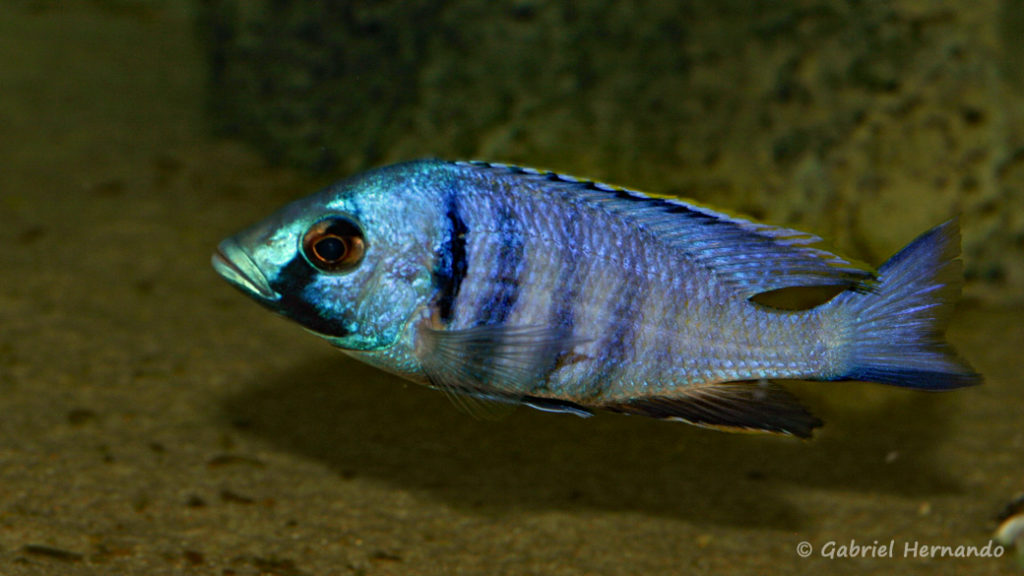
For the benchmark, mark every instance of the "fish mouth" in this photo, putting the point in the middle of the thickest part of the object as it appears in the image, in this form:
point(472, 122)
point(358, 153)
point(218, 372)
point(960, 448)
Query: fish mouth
point(233, 263)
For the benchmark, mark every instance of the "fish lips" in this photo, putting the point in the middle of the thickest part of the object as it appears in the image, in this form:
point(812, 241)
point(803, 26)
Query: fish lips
point(235, 265)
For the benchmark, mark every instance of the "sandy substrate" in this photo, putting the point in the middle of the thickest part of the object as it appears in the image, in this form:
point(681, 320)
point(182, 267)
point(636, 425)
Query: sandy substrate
point(153, 421)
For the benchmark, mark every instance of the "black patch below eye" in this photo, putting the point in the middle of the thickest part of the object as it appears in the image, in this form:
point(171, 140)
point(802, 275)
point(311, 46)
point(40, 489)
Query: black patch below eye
point(291, 283)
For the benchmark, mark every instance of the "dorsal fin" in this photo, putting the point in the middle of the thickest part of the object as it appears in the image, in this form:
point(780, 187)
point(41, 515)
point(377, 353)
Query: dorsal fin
point(749, 256)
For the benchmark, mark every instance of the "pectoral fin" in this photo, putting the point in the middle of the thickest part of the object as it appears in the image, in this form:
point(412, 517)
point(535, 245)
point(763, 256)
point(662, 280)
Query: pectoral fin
point(733, 406)
point(487, 369)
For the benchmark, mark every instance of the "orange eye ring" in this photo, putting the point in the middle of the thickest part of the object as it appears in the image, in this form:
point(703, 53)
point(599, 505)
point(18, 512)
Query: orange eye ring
point(334, 244)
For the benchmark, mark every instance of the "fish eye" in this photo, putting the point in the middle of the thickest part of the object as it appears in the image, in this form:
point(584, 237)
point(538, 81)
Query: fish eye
point(334, 244)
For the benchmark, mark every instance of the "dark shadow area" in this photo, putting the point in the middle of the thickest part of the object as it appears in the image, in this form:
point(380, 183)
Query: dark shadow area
point(364, 423)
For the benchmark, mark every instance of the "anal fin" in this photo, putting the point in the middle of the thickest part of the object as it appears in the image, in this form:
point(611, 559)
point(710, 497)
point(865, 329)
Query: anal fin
point(732, 406)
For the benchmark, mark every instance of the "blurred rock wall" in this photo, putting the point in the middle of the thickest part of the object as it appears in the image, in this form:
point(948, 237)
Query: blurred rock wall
point(865, 121)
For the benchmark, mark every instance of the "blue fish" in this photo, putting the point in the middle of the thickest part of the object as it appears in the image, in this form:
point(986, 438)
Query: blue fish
point(502, 285)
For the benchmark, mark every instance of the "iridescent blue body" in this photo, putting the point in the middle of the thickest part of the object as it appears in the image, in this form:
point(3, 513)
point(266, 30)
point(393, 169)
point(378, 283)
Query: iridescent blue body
point(504, 285)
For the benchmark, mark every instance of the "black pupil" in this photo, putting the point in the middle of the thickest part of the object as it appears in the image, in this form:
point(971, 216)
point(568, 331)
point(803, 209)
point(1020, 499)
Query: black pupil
point(330, 249)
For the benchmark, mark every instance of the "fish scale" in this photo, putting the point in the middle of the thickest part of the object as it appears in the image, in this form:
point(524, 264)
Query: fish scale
point(503, 285)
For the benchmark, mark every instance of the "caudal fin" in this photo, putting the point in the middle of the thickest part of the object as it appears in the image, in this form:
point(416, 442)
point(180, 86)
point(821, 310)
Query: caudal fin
point(896, 332)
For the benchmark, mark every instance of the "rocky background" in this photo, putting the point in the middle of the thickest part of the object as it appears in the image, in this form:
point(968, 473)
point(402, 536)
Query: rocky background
point(867, 122)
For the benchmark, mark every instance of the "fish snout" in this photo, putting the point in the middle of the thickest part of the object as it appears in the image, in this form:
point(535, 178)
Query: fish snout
point(236, 266)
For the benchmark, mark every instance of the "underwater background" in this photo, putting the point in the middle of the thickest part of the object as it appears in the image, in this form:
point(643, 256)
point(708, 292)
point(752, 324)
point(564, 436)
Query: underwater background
point(153, 421)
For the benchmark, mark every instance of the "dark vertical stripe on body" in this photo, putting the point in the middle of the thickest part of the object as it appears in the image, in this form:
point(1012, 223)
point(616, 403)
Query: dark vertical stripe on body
point(563, 304)
point(628, 302)
point(500, 292)
point(496, 307)
point(451, 260)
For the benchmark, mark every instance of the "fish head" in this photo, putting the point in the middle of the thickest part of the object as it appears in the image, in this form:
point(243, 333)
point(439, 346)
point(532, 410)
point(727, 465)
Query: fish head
point(350, 263)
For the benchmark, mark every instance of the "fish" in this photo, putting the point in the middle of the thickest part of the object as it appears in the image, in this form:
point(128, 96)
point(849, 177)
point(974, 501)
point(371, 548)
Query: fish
point(503, 285)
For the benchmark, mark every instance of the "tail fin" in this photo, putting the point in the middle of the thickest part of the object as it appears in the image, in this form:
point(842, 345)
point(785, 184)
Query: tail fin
point(896, 333)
